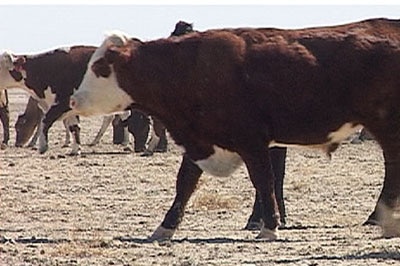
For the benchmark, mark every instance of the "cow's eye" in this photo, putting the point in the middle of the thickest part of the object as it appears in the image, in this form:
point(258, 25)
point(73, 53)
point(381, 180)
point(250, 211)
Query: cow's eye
point(101, 68)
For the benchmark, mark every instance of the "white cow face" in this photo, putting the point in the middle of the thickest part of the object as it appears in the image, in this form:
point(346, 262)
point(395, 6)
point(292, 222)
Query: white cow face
point(11, 73)
point(100, 94)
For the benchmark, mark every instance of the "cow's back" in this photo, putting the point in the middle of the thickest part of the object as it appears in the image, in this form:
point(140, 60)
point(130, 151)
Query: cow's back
point(330, 73)
point(61, 70)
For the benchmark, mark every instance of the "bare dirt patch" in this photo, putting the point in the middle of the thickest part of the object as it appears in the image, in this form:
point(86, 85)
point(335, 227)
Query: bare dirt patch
point(100, 207)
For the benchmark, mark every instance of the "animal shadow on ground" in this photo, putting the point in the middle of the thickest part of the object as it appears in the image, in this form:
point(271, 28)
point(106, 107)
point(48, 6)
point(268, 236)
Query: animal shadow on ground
point(394, 255)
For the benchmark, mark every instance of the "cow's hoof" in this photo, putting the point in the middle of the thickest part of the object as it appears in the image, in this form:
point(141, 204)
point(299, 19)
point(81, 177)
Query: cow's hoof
point(253, 226)
point(127, 149)
point(3, 146)
point(43, 149)
point(389, 220)
point(356, 140)
point(371, 222)
point(75, 153)
point(147, 153)
point(372, 219)
point(268, 234)
point(161, 234)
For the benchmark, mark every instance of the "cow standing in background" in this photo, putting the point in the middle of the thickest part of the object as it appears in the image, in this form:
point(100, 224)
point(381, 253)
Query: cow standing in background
point(227, 95)
point(4, 118)
point(29, 122)
point(50, 78)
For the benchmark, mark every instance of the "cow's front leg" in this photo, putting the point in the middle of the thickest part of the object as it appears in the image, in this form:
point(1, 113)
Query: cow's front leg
point(5, 119)
point(50, 117)
point(261, 174)
point(388, 206)
point(67, 139)
point(278, 158)
point(73, 126)
point(35, 137)
point(139, 126)
point(188, 176)
point(43, 136)
point(107, 119)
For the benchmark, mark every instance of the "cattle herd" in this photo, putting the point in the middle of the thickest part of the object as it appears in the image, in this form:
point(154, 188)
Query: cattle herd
point(227, 96)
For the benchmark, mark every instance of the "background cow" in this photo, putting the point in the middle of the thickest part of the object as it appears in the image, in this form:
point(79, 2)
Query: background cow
point(227, 95)
point(27, 127)
point(4, 118)
point(50, 78)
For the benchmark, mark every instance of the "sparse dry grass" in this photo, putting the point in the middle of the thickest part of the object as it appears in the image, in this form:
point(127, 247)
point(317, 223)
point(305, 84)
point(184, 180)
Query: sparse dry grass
point(212, 201)
point(99, 209)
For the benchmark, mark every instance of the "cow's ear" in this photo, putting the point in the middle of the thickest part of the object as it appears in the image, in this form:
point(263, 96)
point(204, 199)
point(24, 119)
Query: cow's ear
point(19, 63)
point(6, 61)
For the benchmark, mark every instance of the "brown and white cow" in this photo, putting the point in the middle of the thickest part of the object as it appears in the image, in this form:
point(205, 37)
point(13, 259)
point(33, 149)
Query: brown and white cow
point(4, 118)
point(50, 78)
point(228, 95)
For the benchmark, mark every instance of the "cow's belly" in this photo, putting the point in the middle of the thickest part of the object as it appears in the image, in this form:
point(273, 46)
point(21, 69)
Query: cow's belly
point(221, 163)
point(333, 138)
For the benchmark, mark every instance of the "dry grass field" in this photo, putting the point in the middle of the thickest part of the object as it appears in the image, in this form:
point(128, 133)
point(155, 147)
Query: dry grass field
point(99, 208)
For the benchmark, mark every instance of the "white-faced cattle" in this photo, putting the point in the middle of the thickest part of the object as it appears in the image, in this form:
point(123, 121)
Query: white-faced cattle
point(50, 78)
point(228, 95)
point(4, 118)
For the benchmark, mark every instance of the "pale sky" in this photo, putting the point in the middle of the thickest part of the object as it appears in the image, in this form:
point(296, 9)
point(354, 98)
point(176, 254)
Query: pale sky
point(41, 27)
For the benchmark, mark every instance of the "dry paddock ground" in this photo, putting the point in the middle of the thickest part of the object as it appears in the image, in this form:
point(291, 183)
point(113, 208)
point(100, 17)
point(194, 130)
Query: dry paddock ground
point(99, 208)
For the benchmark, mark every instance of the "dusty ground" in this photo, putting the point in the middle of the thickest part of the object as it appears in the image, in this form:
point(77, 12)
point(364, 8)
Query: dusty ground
point(99, 208)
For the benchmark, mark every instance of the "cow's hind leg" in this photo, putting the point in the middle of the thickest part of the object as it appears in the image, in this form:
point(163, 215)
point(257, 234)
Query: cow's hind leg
point(5, 119)
point(262, 177)
point(188, 176)
point(278, 157)
point(139, 126)
point(67, 139)
point(73, 125)
point(388, 206)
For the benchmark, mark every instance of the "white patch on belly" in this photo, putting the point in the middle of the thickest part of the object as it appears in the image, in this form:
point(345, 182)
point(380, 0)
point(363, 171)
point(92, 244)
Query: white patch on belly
point(343, 132)
point(334, 137)
point(221, 163)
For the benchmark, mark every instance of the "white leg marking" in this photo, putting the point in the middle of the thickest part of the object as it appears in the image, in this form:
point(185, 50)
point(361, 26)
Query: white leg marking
point(389, 219)
point(161, 234)
point(125, 142)
point(67, 140)
point(35, 137)
point(153, 142)
point(268, 234)
point(106, 122)
point(43, 145)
